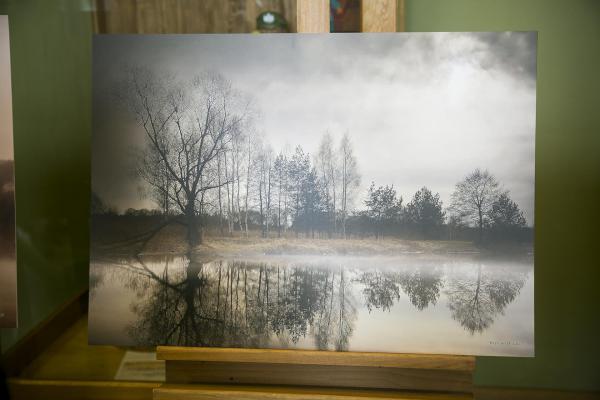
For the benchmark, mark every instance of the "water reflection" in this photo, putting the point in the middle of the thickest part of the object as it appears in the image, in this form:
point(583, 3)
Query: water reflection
point(475, 300)
point(281, 303)
point(422, 286)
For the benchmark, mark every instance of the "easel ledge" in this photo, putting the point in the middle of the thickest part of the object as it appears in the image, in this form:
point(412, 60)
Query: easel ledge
point(313, 357)
point(300, 368)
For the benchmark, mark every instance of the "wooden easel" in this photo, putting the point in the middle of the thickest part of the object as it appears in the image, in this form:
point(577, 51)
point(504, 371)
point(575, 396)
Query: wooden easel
point(221, 373)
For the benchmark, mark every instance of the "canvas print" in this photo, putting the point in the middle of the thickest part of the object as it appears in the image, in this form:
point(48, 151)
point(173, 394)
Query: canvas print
point(8, 261)
point(355, 192)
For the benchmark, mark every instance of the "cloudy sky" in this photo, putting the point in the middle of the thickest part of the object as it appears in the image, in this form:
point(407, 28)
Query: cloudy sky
point(6, 134)
point(422, 109)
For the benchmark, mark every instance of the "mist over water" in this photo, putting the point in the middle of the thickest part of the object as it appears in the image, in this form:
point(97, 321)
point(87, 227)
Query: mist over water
point(464, 304)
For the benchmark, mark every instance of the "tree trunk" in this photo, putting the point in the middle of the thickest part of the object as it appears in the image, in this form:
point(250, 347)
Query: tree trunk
point(247, 189)
point(193, 236)
point(260, 200)
point(220, 200)
point(480, 225)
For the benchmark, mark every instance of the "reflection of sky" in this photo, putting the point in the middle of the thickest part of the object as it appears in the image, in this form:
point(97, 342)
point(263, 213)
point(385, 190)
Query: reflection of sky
point(421, 108)
point(401, 329)
point(405, 329)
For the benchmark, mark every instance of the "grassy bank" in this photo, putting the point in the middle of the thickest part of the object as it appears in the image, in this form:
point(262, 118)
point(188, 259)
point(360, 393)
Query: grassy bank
point(363, 247)
point(116, 239)
point(125, 236)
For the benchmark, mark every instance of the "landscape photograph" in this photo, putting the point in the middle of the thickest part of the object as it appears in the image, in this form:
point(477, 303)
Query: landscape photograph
point(351, 192)
point(8, 260)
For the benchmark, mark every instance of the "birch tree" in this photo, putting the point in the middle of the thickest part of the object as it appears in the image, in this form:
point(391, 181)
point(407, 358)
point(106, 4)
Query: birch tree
point(326, 162)
point(350, 178)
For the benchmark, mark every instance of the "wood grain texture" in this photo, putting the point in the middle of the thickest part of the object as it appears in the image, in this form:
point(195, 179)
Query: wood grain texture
point(312, 16)
point(401, 17)
point(309, 357)
point(27, 389)
point(202, 392)
point(317, 375)
point(185, 16)
point(379, 15)
point(498, 393)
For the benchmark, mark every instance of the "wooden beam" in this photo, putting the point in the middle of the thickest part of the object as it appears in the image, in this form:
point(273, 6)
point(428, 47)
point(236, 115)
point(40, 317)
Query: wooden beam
point(379, 15)
point(315, 357)
point(312, 16)
point(223, 392)
point(200, 365)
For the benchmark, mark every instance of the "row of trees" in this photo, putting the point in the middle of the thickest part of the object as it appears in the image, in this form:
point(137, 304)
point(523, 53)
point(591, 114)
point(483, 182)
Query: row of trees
point(204, 160)
point(478, 201)
point(283, 191)
point(203, 156)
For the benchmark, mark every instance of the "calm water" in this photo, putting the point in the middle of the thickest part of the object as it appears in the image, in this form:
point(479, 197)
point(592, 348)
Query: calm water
point(430, 304)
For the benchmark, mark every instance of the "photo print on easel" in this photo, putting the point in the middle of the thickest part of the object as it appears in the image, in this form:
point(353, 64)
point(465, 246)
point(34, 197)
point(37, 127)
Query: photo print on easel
point(8, 259)
point(356, 192)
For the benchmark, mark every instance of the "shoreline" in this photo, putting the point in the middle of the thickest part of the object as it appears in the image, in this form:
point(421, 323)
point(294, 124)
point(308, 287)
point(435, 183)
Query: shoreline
point(227, 247)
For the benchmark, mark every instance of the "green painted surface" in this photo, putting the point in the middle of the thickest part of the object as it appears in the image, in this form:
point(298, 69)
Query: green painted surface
point(50, 46)
point(567, 264)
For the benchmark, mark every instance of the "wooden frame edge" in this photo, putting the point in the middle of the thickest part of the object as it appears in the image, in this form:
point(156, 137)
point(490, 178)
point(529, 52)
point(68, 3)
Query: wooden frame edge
point(26, 349)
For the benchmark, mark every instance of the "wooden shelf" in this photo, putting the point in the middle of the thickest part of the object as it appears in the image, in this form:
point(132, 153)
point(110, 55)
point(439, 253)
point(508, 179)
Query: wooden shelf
point(65, 367)
point(216, 392)
point(318, 368)
point(69, 368)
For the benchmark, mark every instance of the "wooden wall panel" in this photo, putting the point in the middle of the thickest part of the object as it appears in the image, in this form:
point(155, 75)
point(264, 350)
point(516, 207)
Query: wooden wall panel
point(379, 15)
point(312, 16)
point(186, 16)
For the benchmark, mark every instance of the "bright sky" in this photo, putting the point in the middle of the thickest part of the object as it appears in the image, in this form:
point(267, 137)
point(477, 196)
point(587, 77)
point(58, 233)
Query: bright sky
point(421, 108)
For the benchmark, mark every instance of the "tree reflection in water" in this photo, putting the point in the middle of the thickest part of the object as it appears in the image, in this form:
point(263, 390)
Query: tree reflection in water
point(237, 304)
point(252, 304)
point(422, 286)
point(476, 300)
point(381, 289)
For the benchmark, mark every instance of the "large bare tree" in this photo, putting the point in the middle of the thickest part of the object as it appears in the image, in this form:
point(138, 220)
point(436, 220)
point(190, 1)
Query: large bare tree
point(474, 197)
point(187, 126)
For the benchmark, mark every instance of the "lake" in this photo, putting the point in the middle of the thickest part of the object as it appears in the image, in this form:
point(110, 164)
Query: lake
point(446, 304)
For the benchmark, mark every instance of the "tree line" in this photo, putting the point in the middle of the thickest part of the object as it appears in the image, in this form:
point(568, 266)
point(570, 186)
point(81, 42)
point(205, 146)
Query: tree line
point(205, 163)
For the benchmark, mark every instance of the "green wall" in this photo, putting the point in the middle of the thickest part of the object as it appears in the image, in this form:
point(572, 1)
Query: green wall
point(567, 265)
point(50, 46)
point(51, 81)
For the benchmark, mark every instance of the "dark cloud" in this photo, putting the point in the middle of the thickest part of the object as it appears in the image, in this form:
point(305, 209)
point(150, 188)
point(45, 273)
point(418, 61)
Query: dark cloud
point(513, 52)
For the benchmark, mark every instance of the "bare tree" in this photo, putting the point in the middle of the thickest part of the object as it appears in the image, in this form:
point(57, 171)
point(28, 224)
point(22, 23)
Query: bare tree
point(219, 197)
point(238, 157)
point(187, 125)
point(247, 194)
point(265, 185)
point(474, 197)
point(280, 171)
point(326, 162)
point(350, 178)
